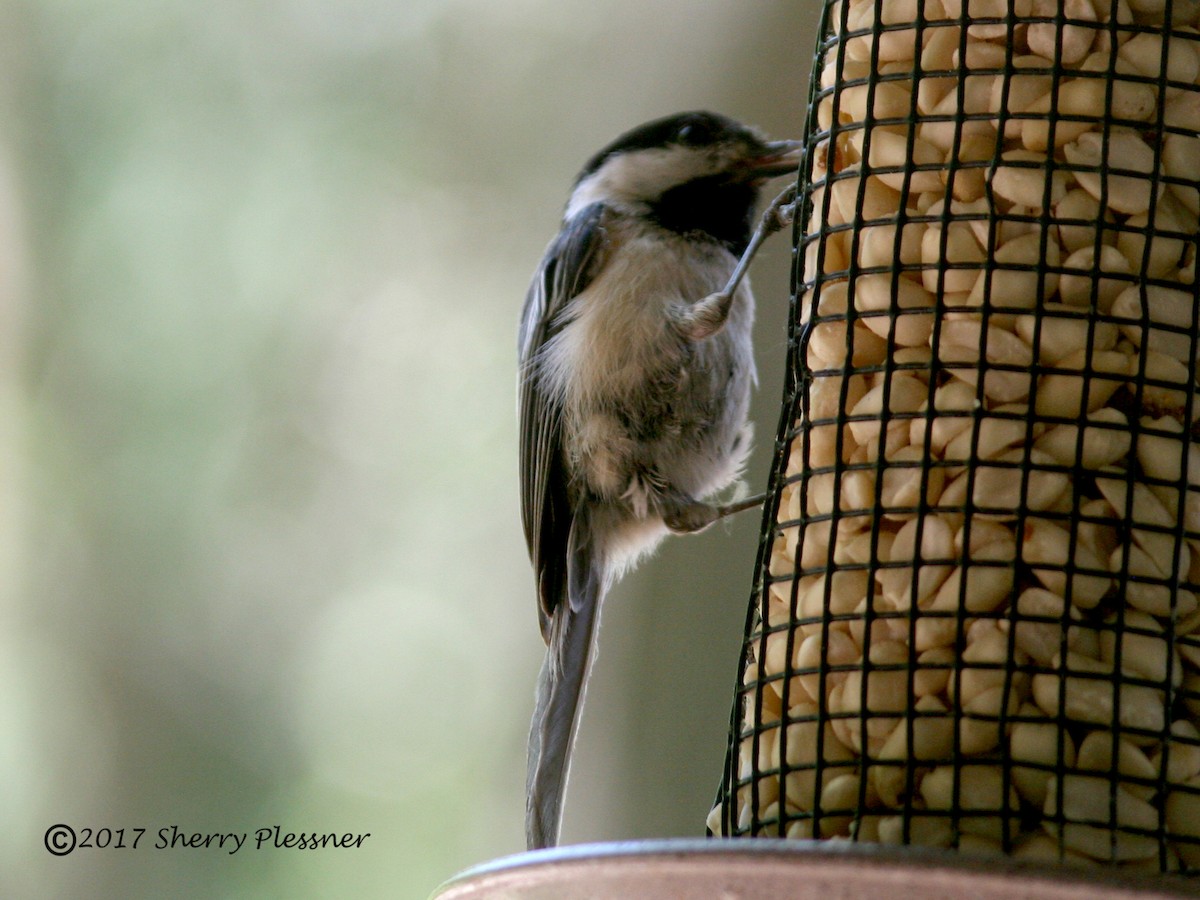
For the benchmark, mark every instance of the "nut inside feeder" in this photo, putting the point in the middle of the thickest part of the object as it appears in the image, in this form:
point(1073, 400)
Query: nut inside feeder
point(976, 622)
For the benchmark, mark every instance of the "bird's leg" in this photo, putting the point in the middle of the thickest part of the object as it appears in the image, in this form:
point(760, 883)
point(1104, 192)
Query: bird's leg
point(684, 515)
point(708, 316)
point(728, 509)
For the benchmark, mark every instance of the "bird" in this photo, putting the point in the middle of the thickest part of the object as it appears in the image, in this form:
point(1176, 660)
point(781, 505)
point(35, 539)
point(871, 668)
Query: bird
point(635, 372)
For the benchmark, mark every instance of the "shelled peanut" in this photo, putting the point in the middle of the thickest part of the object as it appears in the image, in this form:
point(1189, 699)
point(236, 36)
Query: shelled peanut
point(980, 624)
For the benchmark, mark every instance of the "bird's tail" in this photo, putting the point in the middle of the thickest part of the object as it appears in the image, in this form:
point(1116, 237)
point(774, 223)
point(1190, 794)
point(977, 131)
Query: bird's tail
point(560, 688)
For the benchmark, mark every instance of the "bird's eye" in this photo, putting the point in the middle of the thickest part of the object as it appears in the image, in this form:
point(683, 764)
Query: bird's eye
point(694, 134)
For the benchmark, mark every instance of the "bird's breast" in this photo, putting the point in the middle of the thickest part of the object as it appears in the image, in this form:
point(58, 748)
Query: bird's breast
point(620, 333)
point(629, 381)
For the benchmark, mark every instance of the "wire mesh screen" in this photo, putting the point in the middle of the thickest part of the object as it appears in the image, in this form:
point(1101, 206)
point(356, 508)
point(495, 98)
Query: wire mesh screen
point(976, 620)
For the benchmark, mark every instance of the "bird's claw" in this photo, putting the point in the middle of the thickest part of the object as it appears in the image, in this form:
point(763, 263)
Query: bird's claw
point(691, 518)
point(781, 211)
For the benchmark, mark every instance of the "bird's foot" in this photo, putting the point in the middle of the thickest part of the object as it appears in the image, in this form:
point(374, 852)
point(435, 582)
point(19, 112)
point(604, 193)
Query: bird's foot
point(690, 518)
point(693, 516)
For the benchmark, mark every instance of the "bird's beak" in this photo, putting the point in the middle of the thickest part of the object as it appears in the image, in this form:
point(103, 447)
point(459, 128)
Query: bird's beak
point(778, 158)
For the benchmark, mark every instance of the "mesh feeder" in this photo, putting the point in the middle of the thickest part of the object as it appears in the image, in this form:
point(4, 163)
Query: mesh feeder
point(975, 623)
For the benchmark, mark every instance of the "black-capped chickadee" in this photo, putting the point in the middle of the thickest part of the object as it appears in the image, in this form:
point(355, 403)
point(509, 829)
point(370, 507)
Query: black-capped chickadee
point(635, 372)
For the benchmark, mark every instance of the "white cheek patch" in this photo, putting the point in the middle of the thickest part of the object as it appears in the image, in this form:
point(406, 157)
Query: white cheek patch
point(630, 180)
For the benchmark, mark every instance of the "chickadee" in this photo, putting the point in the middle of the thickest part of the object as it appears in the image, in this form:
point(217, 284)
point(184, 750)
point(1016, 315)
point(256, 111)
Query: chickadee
point(635, 372)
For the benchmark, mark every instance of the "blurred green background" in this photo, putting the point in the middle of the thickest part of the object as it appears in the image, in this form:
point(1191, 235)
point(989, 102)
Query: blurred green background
point(261, 263)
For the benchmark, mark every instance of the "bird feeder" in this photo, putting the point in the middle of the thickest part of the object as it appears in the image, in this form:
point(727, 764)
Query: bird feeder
point(975, 624)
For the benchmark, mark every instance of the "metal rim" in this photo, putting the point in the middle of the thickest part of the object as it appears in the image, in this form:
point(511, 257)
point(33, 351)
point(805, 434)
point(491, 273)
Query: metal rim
point(685, 868)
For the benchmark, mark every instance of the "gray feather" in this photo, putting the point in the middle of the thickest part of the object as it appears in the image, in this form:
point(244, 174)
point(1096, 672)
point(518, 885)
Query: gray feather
point(560, 688)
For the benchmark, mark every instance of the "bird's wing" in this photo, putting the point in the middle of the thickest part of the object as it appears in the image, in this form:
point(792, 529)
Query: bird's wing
point(570, 264)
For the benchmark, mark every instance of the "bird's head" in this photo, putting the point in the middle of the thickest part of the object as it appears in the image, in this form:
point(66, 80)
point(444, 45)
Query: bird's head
point(694, 172)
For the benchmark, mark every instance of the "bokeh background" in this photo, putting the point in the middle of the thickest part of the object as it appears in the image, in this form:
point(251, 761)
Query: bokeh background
point(261, 263)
